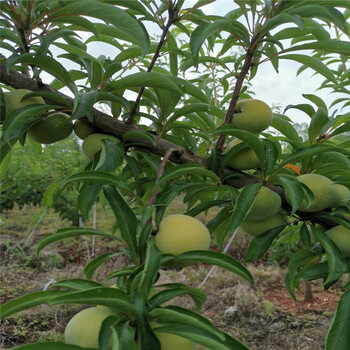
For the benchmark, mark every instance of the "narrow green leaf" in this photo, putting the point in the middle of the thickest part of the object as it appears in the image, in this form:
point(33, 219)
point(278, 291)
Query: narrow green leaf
point(94, 264)
point(77, 284)
point(331, 46)
point(51, 346)
point(318, 123)
point(139, 135)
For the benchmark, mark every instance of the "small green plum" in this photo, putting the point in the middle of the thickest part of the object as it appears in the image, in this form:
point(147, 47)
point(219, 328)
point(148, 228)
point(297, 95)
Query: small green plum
point(256, 228)
point(243, 160)
point(82, 129)
point(340, 235)
point(92, 144)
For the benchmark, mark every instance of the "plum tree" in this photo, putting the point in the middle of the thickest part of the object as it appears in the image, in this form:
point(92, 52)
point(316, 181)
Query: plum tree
point(321, 188)
point(92, 144)
point(245, 159)
point(51, 129)
point(180, 233)
point(341, 195)
point(256, 228)
point(266, 204)
point(83, 329)
point(83, 130)
point(340, 235)
point(252, 115)
point(16, 99)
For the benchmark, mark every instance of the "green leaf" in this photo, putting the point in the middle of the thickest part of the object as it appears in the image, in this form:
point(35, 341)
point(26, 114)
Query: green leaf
point(144, 79)
point(260, 244)
point(150, 270)
point(83, 104)
point(313, 63)
point(338, 334)
point(94, 264)
point(28, 301)
point(126, 219)
point(318, 123)
point(331, 46)
point(87, 197)
point(315, 272)
point(139, 134)
point(64, 233)
point(286, 128)
point(112, 297)
point(211, 257)
point(51, 346)
point(77, 284)
point(111, 157)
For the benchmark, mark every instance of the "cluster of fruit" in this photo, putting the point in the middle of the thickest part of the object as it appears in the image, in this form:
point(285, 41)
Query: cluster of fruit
point(56, 126)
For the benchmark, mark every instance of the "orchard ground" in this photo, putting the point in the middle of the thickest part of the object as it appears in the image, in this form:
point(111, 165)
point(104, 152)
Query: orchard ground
point(265, 318)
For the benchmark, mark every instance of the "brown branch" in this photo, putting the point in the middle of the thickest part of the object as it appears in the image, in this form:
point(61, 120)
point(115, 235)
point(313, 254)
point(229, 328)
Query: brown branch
point(172, 18)
point(113, 126)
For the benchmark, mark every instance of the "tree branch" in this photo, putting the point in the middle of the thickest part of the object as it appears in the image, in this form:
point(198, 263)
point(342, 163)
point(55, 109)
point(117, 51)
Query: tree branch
point(113, 126)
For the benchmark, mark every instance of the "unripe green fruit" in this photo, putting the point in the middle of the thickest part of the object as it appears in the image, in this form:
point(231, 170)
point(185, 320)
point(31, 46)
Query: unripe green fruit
point(170, 341)
point(92, 144)
point(243, 160)
point(83, 329)
point(182, 233)
point(14, 100)
point(256, 228)
point(341, 195)
point(252, 115)
point(321, 188)
point(83, 130)
point(266, 204)
point(340, 235)
point(51, 129)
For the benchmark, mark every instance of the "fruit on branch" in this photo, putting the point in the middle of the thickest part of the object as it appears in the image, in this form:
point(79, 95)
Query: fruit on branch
point(182, 233)
point(170, 341)
point(83, 329)
point(51, 129)
point(256, 228)
point(82, 129)
point(266, 204)
point(341, 195)
point(321, 188)
point(15, 99)
point(92, 144)
point(252, 115)
point(340, 235)
point(244, 159)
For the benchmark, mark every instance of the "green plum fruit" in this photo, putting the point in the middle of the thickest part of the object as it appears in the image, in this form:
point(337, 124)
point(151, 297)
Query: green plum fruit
point(252, 115)
point(321, 188)
point(266, 204)
point(83, 130)
point(243, 160)
point(256, 228)
point(341, 195)
point(340, 235)
point(51, 129)
point(83, 329)
point(15, 99)
point(182, 233)
point(92, 144)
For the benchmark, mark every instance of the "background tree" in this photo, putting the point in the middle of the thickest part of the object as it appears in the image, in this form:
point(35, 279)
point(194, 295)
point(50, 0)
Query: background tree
point(171, 103)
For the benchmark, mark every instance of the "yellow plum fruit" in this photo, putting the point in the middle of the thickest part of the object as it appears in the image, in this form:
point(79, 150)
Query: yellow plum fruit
point(243, 160)
point(252, 115)
point(83, 329)
point(321, 188)
point(256, 228)
point(266, 204)
point(92, 144)
point(51, 129)
point(340, 235)
point(182, 233)
point(15, 99)
point(82, 129)
point(341, 195)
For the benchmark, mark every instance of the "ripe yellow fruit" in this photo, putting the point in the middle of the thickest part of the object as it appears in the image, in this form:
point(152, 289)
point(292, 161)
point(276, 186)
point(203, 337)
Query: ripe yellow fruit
point(170, 341)
point(266, 204)
point(256, 228)
point(51, 129)
point(92, 144)
point(252, 115)
point(340, 235)
point(243, 160)
point(341, 195)
point(83, 329)
point(182, 233)
point(82, 129)
point(14, 100)
point(321, 188)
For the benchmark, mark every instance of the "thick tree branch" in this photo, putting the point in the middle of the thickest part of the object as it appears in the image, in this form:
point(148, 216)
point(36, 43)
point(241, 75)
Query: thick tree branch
point(110, 125)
